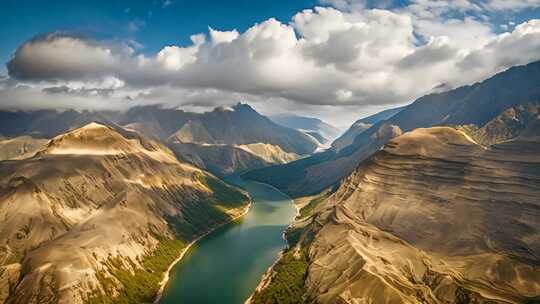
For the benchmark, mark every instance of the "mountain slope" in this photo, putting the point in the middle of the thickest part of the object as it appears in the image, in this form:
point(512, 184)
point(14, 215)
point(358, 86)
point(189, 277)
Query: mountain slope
point(101, 210)
point(510, 124)
point(362, 125)
point(20, 147)
point(237, 125)
point(432, 218)
point(309, 125)
point(476, 104)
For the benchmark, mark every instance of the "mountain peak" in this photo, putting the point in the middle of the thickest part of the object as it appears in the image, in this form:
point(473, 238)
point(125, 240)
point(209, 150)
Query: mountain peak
point(99, 139)
point(243, 106)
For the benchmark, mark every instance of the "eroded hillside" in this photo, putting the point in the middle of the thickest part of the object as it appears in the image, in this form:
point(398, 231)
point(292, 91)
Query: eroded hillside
point(101, 211)
point(434, 217)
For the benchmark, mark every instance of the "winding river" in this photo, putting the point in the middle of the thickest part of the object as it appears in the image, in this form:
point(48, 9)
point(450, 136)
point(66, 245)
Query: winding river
point(225, 267)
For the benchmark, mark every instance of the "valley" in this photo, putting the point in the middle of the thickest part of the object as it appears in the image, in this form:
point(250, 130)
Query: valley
point(270, 152)
point(226, 265)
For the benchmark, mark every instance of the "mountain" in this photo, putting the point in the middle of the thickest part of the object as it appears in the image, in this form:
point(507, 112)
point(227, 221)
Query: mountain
point(224, 160)
point(225, 128)
point(433, 217)
point(362, 125)
point(236, 125)
point(510, 124)
point(99, 214)
point(48, 123)
point(315, 127)
point(476, 105)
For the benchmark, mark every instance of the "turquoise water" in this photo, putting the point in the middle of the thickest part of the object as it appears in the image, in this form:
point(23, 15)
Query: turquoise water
point(226, 266)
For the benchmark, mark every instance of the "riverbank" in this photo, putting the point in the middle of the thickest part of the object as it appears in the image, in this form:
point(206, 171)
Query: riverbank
point(166, 275)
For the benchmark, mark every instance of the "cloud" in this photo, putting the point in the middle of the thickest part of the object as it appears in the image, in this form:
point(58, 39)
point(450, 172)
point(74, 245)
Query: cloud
point(59, 56)
point(324, 57)
point(514, 5)
point(135, 25)
point(167, 3)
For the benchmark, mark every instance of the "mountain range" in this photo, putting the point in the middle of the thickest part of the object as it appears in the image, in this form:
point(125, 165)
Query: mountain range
point(435, 202)
point(473, 107)
point(220, 139)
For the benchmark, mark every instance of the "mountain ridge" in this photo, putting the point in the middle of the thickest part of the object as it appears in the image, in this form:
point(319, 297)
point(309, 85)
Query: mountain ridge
point(461, 106)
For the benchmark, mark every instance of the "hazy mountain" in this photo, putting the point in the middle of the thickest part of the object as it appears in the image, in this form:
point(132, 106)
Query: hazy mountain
point(322, 131)
point(48, 123)
point(383, 115)
point(99, 214)
point(477, 104)
point(362, 125)
point(431, 218)
point(236, 125)
point(228, 159)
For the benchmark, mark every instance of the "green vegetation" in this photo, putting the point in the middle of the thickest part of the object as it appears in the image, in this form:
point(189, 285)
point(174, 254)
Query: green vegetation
point(206, 211)
point(307, 210)
point(141, 284)
point(287, 286)
point(224, 195)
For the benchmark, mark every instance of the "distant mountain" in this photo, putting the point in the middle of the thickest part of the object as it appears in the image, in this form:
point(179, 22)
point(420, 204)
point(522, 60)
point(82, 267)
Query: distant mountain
point(48, 123)
point(99, 214)
point(432, 217)
point(362, 125)
point(234, 126)
point(510, 124)
point(322, 131)
point(224, 160)
point(475, 105)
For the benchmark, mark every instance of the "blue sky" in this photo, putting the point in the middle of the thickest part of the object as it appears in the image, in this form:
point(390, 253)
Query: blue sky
point(152, 23)
point(335, 59)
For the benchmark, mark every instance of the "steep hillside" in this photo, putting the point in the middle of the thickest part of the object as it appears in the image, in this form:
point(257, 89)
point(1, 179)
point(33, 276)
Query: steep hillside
point(510, 124)
point(476, 105)
point(221, 160)
point(101, 211)
point(432, 218)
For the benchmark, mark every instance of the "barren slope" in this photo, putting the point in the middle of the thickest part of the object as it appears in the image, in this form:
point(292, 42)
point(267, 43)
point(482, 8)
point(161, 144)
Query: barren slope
point(20, 147)
point(432, 218)
point(99, 211)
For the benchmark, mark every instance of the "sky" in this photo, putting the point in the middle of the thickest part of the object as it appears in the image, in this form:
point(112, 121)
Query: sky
point(338, 60)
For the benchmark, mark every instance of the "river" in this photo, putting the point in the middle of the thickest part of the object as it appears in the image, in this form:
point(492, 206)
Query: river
point(226, 266)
